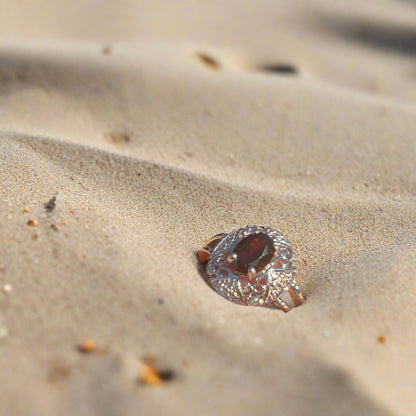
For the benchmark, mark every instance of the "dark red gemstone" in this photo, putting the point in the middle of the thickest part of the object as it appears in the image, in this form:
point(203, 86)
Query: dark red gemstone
point(256, 251)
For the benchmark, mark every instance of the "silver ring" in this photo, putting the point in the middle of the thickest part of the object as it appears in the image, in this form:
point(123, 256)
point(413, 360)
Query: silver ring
point(252, 265)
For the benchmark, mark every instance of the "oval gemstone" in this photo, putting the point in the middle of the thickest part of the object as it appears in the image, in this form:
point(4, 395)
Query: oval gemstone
point(256, 251)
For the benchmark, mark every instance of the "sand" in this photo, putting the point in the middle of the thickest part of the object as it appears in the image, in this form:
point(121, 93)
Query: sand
point(132, 132)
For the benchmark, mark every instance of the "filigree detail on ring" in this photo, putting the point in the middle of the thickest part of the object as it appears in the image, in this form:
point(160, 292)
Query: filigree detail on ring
point(252, 265)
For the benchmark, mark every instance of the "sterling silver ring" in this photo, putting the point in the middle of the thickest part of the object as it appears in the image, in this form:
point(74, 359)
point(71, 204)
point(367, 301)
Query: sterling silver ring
point(252, 265)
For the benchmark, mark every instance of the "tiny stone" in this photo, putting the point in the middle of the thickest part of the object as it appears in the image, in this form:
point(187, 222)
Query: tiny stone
point(86, 346)
point(33, 222)
point(25, 209)
point(152, 376)
point(4, 333)
point(7, 288)
point(382, 339)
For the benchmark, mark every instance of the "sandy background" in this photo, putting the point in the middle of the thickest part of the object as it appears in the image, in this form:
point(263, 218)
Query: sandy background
point(156, 125)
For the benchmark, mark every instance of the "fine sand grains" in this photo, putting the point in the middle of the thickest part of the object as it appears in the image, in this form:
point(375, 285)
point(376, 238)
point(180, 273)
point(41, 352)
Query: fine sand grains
point(130, 133)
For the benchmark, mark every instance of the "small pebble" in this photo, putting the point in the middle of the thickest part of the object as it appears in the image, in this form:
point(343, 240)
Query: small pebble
point(4, 333)
point(381, 339)
point(152, 376)
point(87, 346)
point(25, 209)
point(7, 288)
point(33, 222)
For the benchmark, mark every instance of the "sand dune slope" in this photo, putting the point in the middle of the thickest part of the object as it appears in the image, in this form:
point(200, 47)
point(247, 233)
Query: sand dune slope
point(116, 164)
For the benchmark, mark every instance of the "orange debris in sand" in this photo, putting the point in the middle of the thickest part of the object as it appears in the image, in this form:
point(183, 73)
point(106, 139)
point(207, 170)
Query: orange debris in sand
point(33, 222)
point(87, 346)
point(382, 339)
point(209, 61)
point(152, 376)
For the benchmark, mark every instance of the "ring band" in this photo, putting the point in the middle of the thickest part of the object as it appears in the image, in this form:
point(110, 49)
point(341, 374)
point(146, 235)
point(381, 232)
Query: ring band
point(252, 265)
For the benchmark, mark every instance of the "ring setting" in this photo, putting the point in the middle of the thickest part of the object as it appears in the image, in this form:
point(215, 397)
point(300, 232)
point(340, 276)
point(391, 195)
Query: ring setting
point(252, 265)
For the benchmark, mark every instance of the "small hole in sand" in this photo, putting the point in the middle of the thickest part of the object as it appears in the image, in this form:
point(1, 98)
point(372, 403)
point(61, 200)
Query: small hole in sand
point(51, 204)
point(107, 50)
point(284, 69)
point(208, 61)
point(167, 374)
point(118, 137)
point(59, 371)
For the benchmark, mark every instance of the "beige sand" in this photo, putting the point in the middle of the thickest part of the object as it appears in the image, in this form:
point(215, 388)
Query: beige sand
point(150, 148)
